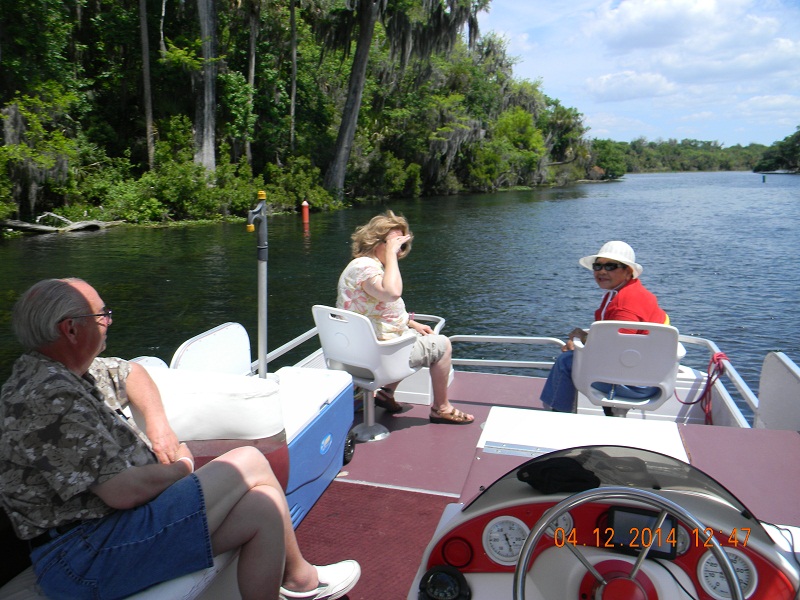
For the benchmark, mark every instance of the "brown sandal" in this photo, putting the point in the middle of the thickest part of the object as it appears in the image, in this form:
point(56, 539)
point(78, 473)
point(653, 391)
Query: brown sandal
point(454, 417)
point(384, 397)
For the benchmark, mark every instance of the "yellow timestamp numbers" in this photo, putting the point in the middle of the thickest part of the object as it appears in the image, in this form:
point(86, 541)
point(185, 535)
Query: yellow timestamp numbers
point(644, 537)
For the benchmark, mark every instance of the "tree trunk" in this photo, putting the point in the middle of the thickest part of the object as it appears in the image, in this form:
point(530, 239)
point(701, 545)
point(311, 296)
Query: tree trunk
point(148, 100)
point(251, 71)
point(293, 92)
point(162, 45)
point(368, 11)
point(205, 122)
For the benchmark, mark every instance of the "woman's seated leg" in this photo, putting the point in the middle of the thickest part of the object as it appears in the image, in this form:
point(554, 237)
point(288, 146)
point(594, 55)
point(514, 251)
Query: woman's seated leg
point(559, 392)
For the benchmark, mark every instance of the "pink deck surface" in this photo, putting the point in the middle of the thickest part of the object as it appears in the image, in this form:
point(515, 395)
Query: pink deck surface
point(415, 442)
point(757, 466)
point(760, 467)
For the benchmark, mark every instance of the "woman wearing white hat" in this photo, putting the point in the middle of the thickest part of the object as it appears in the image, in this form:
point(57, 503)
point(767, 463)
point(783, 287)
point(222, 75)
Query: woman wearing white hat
point(626, 299)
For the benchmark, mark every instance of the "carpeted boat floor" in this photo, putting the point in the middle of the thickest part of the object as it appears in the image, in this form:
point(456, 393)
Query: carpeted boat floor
point(388, 540)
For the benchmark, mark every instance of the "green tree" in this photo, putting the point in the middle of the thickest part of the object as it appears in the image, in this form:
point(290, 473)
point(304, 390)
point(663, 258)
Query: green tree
point(412, 26)
point(34, 39)
point(610, 157)
point(783, 155)
point(40, 154)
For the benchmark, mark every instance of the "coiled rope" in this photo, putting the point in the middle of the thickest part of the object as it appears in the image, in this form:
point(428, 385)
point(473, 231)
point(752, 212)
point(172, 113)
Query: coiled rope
point(715, 370)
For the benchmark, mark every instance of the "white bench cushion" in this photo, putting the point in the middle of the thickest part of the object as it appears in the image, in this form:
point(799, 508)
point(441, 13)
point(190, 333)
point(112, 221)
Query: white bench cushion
point(191, 586)
point(209, 406)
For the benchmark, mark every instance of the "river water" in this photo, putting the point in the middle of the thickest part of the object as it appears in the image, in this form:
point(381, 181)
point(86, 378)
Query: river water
point(717, 249)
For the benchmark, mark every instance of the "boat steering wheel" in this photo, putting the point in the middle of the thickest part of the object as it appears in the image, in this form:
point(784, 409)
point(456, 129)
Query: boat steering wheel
point(618, 583)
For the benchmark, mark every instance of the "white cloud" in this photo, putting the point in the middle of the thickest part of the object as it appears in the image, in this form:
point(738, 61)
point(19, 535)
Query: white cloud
point(645, 24)
point(628, 85)
point(657, 64)
point(603, 125)
point(700, 116)
point(782, 110)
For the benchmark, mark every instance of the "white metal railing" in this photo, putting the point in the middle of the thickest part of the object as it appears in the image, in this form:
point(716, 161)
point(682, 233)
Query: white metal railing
point(291, 345)
point(731, 374)
point(504, 339)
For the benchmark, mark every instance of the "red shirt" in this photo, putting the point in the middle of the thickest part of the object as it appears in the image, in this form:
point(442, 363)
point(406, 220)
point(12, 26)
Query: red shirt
point(632, 302)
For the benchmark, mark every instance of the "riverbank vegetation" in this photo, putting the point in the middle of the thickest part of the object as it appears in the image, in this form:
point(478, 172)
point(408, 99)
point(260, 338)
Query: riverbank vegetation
point(782, 156)
point(153, 111)
point(643, 156)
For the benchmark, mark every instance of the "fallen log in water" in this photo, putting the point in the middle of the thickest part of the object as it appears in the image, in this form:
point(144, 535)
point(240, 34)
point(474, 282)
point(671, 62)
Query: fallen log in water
point(37, 228)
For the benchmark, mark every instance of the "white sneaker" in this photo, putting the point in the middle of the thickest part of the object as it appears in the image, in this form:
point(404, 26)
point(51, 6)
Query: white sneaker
point(334, 582)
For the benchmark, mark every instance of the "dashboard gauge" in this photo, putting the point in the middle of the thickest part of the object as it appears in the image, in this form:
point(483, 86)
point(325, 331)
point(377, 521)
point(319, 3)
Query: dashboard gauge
point(712, 578)
point(564, 521)
point(503, 539)
point(683, 542)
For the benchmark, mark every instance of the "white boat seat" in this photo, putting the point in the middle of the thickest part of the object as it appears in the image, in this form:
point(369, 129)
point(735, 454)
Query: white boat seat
point(200, 584)
point(223, 349)
point(778, 394)
point(625, 359)
point(349, 344)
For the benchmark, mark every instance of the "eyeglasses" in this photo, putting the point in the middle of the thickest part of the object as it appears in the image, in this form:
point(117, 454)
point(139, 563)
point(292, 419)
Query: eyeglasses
point(606, 266)
point(106, 314)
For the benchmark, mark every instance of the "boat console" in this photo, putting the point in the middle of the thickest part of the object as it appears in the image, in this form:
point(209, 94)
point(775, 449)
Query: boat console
point(626, 515)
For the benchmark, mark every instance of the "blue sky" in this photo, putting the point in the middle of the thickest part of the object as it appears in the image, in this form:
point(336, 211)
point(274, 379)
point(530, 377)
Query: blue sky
point(712, 70)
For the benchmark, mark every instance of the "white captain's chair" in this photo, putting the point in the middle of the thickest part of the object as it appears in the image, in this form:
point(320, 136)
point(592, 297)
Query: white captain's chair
point(611, 358)
point(349, 344)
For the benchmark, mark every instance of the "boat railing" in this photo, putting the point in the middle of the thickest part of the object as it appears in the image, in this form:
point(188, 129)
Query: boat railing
point(478, 342)
point(498, 340)
point(709, 349)
point(289, 346)
point(745, 393)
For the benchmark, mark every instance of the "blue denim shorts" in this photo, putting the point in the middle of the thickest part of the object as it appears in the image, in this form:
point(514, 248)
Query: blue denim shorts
point(129, 550)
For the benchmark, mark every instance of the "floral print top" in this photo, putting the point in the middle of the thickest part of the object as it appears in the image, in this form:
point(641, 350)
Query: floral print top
point(390, 319)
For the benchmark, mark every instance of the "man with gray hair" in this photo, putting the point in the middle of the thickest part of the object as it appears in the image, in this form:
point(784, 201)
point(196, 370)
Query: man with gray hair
point(93, 495)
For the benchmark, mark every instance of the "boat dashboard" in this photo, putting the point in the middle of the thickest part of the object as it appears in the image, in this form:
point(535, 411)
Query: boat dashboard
point(600, 523)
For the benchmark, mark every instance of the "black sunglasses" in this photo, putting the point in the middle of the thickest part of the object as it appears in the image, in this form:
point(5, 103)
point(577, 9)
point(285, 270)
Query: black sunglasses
point(607, 266)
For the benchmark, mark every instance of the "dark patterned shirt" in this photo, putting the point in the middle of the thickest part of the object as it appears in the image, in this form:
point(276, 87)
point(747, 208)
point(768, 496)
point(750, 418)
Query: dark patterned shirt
point(60, 434)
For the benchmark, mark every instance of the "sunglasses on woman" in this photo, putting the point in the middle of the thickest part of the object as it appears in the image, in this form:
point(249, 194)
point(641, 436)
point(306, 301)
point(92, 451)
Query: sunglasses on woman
point(607, 266)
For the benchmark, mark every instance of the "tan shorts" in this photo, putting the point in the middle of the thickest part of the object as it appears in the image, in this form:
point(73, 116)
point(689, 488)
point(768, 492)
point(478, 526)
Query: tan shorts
point(428, 349)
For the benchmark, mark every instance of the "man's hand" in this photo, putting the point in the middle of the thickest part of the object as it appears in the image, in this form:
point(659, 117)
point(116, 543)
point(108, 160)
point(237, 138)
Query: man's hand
point(164, 441)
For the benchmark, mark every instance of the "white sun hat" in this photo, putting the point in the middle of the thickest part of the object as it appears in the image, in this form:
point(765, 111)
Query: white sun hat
point(615, 250)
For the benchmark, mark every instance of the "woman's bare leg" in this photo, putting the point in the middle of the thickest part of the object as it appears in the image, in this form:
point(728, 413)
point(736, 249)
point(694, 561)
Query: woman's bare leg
point(440, 373)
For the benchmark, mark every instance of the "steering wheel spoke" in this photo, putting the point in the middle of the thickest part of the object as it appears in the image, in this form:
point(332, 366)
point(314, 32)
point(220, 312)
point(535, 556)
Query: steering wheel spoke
point(585, 562)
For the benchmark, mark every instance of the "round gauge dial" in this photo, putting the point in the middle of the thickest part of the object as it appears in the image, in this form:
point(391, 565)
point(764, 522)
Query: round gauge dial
point(683, 542)
point(564, 521)
point(503, 539)
point(712, 578)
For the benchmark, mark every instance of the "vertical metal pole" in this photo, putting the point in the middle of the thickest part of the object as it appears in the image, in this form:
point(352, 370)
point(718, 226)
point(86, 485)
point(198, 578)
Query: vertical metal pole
point(259, 216)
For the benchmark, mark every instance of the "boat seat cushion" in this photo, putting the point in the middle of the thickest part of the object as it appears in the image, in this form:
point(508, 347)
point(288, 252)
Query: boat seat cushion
point(193, 585)
point(209, 406)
